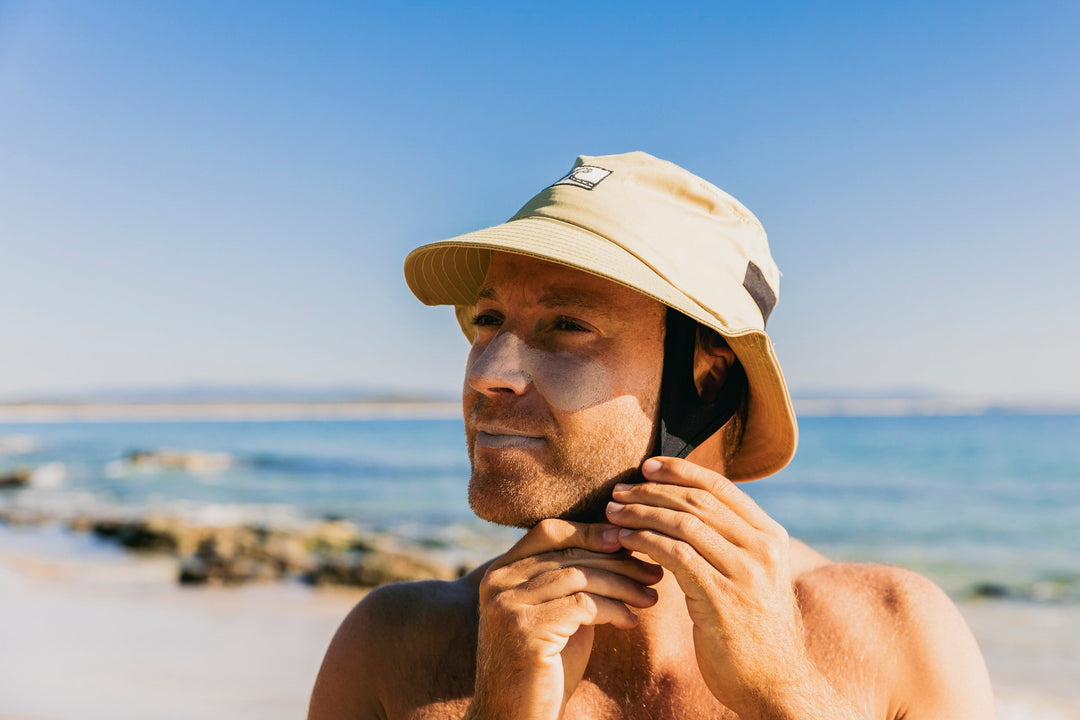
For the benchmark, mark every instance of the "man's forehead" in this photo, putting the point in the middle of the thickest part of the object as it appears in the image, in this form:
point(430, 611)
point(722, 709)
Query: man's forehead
point(553, 285)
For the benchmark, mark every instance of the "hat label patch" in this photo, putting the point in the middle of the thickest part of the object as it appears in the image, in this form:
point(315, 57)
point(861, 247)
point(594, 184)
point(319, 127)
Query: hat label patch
point(584, 176)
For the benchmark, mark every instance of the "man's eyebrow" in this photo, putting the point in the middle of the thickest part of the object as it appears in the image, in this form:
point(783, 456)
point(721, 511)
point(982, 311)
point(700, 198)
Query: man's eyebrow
point(556, 297)
point(571, 297)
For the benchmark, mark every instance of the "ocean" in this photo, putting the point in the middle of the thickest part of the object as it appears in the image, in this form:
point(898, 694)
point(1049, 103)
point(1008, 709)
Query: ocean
point(986, 504)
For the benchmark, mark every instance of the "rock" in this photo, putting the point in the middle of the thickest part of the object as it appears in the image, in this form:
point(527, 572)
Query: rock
point(378, 567)
point(194, 571)
point(224, 571)
point(208, 568)
point(138, 535)
point(16, 477)
point(232, 555)
point(990, 590)
point(334, 535)
point(285, 549)
point(192, 461)
point(185, 537)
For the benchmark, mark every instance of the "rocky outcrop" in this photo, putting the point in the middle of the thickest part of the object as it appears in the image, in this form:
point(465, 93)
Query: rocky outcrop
point(328, 552)
point(379, 567)
point(192, 461)
point(16, 477)
point(138, 535)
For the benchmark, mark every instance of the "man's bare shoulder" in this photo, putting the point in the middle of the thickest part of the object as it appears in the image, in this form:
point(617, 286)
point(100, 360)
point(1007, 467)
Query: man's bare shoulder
point(885, 596)
point(388, 638)
point(893, 631)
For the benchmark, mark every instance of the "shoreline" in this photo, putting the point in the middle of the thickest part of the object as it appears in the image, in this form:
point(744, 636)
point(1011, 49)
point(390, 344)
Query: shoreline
point(138, 643)
point(223, 549)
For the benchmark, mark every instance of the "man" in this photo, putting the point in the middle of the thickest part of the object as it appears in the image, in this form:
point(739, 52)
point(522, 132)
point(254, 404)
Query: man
point(619, 380)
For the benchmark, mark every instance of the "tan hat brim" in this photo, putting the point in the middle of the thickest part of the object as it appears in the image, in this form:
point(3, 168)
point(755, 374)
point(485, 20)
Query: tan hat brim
point(452, 271)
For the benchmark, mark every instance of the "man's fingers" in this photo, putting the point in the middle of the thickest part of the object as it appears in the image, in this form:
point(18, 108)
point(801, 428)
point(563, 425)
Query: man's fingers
point(684, 527)
point(689, 568)
point(677, 471)
point(555, 534)
point(565, 615)
point(567, 581)
point(690, 500)
point(555, 544)
point(622, 562)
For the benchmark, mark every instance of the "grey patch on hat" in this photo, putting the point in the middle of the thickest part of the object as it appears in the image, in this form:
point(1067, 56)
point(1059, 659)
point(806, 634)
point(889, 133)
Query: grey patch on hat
point(758, 287)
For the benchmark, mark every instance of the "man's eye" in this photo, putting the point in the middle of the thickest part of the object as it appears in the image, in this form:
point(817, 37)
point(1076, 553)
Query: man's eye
point(486, 319)
point(569, 325)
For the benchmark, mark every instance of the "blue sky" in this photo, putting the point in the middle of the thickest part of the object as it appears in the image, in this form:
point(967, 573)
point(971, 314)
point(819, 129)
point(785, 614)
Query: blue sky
point(204, 192)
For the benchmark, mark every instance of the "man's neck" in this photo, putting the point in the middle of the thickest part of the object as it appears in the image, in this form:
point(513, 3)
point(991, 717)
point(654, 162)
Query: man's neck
point(662, 639)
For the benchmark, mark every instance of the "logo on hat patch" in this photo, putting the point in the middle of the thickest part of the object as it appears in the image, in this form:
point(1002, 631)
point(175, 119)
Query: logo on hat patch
point(585, 176)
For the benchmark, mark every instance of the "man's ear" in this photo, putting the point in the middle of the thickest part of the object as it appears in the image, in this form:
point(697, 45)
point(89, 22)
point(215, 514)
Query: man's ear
point(712, 360)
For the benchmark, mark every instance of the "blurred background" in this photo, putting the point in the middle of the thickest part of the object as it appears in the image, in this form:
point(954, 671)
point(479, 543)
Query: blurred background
point(220, 404)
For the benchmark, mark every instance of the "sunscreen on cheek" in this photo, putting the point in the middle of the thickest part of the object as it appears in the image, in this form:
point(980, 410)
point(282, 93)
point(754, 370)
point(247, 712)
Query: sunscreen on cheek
point(568, 382)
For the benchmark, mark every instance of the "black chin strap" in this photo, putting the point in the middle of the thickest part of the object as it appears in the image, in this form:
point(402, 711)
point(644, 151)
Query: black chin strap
point(686, 420)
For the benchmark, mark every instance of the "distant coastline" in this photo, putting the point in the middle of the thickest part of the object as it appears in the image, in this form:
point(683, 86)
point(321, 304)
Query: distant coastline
point(931, 406)
point(226, 411)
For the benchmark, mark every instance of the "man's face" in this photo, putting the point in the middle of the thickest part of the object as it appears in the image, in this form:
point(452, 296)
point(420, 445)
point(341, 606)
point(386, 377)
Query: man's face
point(561, 390)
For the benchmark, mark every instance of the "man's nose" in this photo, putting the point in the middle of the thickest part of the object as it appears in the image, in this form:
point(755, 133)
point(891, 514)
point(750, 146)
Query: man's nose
point(500, 368)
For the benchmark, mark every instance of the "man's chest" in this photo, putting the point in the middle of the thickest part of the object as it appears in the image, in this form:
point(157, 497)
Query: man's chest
point(590, 702)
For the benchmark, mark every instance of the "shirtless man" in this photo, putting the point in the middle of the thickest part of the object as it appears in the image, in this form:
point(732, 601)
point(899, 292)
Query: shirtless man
point(617, 322)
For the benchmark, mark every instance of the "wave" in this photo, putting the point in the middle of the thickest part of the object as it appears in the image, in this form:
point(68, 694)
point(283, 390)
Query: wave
point(314, 465)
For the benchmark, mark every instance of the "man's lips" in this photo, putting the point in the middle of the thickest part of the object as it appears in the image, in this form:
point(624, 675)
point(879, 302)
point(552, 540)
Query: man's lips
point(495, 438)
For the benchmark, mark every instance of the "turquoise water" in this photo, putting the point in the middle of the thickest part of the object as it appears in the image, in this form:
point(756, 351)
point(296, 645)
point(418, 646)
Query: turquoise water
point(967, 500)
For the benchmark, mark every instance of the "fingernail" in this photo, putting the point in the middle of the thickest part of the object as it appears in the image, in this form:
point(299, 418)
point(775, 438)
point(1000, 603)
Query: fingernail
point(652, 592)
point(650, 466)
point(625, 533)
point(622, 487)
point(610, 536)
point(614, 507)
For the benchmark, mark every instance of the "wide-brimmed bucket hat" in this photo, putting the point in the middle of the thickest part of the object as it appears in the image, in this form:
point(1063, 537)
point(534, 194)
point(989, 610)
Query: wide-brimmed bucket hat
point(647, 224)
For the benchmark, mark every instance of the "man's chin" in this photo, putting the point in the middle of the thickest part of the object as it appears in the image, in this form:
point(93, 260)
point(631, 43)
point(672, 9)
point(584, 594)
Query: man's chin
point(505, 504)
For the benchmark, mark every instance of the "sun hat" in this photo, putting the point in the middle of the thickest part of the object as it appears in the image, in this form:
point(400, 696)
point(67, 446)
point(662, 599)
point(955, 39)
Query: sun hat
point(654, 227)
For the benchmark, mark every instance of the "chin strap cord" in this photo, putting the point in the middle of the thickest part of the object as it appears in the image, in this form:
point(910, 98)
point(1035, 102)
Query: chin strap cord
point(686, 420)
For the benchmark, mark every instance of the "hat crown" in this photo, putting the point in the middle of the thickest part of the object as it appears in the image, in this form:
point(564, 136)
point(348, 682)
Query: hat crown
point(690, 232)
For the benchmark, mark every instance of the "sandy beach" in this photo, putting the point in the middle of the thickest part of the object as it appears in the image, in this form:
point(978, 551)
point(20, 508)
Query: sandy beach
point(92, 632)
point(95, 633)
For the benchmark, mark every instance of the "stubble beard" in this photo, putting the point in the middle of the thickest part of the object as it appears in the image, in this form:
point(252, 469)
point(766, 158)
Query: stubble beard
point(514, 488)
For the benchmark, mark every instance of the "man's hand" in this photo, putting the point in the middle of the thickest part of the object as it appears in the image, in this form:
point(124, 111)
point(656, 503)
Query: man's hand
point(538, 605)
point(731, 561)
